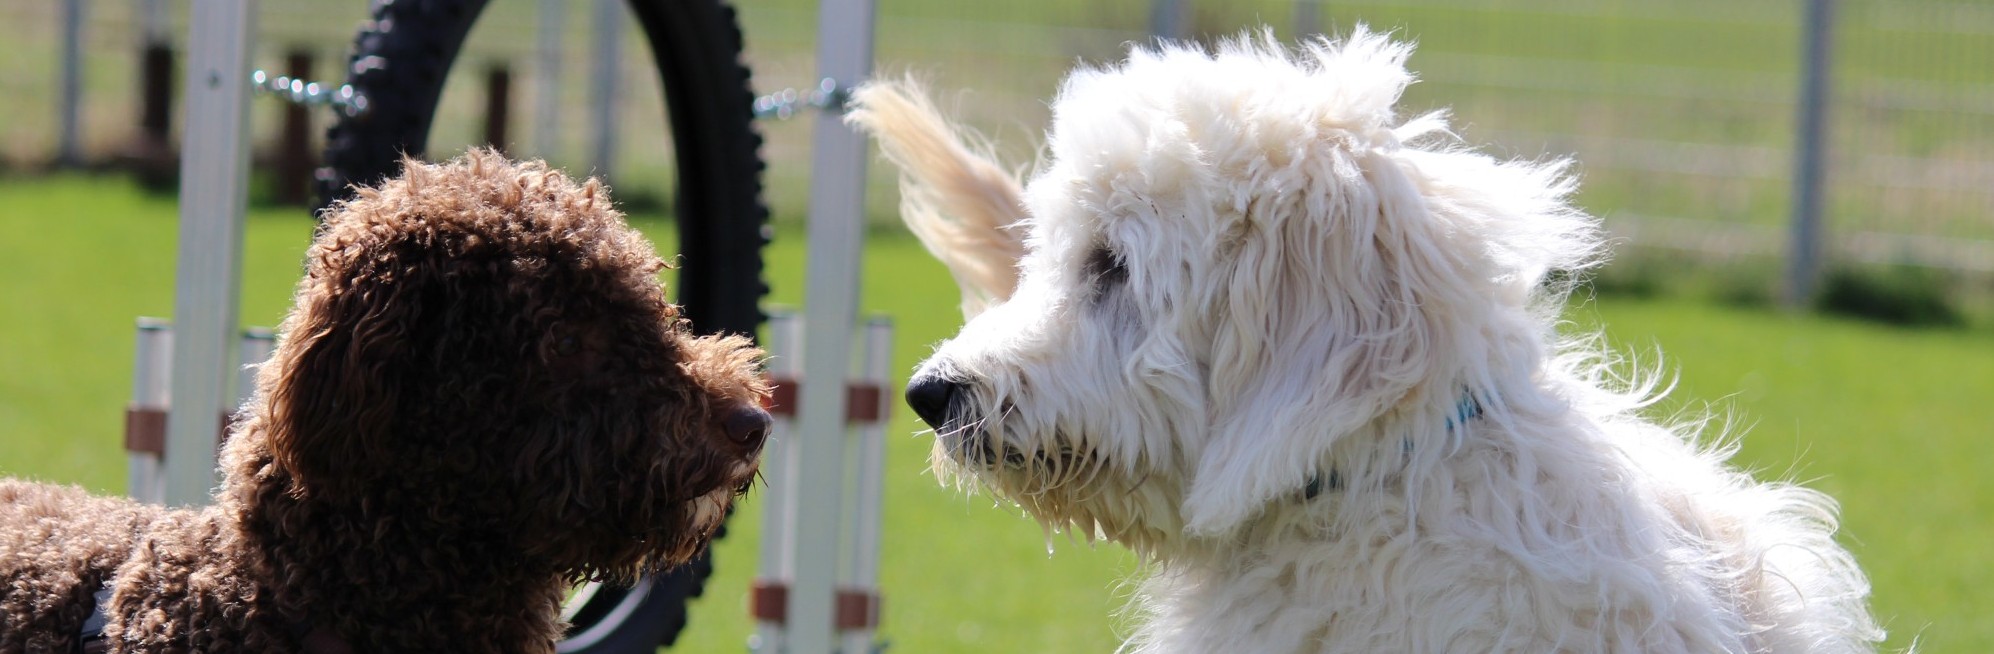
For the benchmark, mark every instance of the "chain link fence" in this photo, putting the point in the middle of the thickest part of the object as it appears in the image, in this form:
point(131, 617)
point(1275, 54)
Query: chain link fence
point(1682, 114)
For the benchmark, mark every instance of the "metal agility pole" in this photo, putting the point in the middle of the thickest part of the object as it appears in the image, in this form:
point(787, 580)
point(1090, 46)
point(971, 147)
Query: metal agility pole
point(214, 165)
point(836, 239)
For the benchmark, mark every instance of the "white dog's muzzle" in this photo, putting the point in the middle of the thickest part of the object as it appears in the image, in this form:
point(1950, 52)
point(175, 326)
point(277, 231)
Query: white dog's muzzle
point(943, 402)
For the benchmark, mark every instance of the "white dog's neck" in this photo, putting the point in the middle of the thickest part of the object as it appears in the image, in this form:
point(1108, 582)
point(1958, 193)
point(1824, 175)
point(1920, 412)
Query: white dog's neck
point(1512, 541)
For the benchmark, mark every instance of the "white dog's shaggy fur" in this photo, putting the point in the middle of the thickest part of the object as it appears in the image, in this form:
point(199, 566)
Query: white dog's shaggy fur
point(1302, 358)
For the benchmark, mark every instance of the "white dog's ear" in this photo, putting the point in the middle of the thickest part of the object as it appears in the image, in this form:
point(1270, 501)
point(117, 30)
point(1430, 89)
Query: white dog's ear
point(1333, 315)
point(962, 205)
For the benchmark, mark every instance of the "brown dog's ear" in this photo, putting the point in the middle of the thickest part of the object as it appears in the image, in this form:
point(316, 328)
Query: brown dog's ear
point(333, 394)
point(962, 205)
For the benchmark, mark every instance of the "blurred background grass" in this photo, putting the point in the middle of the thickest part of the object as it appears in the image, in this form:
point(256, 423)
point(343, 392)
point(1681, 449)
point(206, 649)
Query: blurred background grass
point(1680, 114)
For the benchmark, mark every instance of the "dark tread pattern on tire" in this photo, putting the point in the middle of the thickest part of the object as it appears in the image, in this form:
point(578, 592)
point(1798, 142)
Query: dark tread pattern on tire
point(401, 57)
point(696, 47)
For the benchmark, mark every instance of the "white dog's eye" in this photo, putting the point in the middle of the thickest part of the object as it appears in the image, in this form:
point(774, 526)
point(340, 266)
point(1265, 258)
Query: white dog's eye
point(1105, 269)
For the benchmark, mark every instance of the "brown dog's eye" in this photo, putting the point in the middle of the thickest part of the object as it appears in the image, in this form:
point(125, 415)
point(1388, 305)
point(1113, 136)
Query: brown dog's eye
point(567, 346)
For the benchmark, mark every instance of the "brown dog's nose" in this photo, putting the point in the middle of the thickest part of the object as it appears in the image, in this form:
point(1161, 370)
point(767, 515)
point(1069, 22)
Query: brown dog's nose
point(747, 426)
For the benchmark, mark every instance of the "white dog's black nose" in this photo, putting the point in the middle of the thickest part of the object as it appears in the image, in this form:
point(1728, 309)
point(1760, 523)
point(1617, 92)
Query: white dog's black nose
point(931, 396)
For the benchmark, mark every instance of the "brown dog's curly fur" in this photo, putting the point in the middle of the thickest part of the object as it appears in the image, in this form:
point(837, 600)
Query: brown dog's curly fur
point(480, 396)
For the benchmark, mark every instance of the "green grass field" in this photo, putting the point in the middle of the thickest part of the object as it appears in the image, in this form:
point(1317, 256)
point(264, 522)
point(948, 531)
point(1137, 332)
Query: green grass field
point(1890, 421)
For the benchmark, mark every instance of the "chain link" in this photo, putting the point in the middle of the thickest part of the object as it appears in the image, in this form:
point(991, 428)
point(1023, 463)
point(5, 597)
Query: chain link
point(302, 92)
point(784, 104)
point(780, 105)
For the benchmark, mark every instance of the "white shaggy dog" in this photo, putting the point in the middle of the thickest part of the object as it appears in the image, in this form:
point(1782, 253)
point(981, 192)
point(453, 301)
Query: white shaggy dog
point(1302, 358)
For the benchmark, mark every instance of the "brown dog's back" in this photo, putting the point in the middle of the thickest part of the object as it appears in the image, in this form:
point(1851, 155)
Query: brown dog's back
point(58, 546)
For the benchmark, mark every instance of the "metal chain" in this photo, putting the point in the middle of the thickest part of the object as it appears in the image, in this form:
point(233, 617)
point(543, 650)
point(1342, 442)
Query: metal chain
point(780, 105)
point(784, 104)
point(297, 91)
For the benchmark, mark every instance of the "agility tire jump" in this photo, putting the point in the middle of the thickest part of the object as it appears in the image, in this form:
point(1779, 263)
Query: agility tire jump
point(400, 62)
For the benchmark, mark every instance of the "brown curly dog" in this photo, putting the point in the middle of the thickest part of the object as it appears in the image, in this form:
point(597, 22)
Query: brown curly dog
point(480, 397)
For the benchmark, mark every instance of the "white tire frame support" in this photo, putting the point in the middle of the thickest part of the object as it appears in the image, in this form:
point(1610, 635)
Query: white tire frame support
point(867, 472)
point(152, 372)
point(152, 385)
point(836, 235)
point(785, 347)
point(208, 278)
point(859, 493)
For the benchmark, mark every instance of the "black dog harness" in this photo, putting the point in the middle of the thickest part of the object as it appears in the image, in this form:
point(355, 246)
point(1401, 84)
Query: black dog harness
point(91, 639)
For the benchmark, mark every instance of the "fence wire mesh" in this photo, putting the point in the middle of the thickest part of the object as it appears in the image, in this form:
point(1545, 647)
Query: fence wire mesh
point(1681, 114)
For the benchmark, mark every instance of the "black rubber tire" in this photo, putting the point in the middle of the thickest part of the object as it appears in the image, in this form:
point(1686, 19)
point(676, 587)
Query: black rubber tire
point(400, 61)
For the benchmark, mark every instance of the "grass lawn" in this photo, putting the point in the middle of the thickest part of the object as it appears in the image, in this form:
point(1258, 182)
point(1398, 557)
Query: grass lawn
point(1887, 420)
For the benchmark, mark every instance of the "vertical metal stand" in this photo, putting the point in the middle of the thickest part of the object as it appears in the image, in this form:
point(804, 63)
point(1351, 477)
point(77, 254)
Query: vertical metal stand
point(498, 107)
point(856, 495)
point(837, 230)
point(151, 149)
point(296, 158)
point(1308, 19)
point(208, 277)
point(69, 109)
point(152, 401)
point(1166, 19)
point(785, 346)
point(858, 596)
point(1804, 253)
point(151, 395)
point(547, 77)
point(605, 85)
